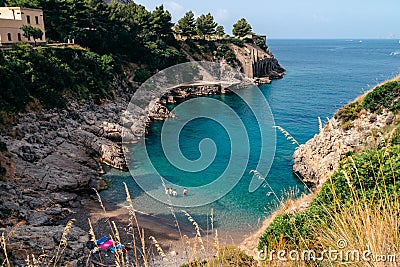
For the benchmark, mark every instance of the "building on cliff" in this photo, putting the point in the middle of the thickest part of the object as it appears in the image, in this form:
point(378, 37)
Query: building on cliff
point(11, 21)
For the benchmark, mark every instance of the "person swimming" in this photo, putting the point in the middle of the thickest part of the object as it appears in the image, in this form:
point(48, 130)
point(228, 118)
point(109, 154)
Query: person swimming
point(185, 191)
point(174, 193)
point(170, 191)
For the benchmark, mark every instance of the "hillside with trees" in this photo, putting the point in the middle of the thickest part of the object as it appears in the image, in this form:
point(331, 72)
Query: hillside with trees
point(110, 36)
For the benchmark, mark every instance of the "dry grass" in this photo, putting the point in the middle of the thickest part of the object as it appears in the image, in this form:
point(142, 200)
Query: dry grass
point(288, 136)
point(366, 225)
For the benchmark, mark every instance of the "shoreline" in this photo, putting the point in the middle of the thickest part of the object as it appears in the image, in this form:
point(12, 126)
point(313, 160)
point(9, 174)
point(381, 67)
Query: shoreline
point(162, 229)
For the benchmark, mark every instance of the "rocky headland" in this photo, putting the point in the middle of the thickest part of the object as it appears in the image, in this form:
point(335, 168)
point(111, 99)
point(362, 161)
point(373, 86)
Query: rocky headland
point(317, 159)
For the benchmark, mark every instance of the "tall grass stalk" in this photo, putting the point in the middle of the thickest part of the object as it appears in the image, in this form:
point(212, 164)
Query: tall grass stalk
point(369, 222)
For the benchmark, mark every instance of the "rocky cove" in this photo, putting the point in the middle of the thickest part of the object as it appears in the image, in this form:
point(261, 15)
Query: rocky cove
point(52, 159)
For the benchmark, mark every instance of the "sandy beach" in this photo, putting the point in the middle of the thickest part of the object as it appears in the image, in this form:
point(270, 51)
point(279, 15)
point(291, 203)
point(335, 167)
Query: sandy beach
point(177, 246)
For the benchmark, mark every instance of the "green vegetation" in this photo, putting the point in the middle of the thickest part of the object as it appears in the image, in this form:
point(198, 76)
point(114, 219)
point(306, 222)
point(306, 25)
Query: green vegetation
point(127, 31)
point(226, 52)
point(234, 41)
point(261, 43)
point(384, 96)
point(367, 177)
point(112, 35)
point(30, 31)
point(220, 31)
point(47, 75)
point(3, 146)
point(205, 25)
point(229, 256)
point(358, 202)
point(241, 28)
point(347, 125)
point(187, 25)
point(349, 112)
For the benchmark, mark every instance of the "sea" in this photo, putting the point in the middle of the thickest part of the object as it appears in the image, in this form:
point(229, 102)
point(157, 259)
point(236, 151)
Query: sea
point(321, 76)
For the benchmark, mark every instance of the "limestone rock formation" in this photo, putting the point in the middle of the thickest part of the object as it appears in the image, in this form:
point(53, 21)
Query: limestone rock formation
point(258, 64)
point(316, 160)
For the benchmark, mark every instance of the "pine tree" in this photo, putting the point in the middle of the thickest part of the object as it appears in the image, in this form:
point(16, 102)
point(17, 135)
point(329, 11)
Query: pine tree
point(160, 21)
point(241, 28)
point(205, 25)
point(187, 25)
point(220, 31)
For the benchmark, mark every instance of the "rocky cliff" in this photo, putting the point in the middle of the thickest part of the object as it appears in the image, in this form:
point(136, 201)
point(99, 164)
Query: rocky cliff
point(316, 160)
point(256, 63)
point(56, 154)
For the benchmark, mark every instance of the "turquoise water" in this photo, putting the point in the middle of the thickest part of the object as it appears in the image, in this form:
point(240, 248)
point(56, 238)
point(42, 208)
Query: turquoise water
point(322, 76)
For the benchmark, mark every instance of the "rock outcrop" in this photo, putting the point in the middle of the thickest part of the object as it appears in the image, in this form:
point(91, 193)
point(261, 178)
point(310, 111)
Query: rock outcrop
point(50, 159)
point(258, 64)
point(43, 243)
point(49, 162)
point(316, 160)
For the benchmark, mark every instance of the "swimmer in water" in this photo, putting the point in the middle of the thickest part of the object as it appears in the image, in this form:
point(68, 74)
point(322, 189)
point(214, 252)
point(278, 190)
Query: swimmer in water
point(174, 193)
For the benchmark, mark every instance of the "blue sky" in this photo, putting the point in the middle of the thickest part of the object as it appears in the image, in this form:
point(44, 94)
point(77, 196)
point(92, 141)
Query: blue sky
point(298, 18)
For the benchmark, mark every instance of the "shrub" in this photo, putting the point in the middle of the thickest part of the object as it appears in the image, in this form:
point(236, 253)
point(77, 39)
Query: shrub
point(234, 41)
point(284, 231)
point(225, 51)
point(384, 96)
point(349, 112)
point(261, 43)
point(347, 125)
point(49, 74)
point(141, 75)
point(396, 137)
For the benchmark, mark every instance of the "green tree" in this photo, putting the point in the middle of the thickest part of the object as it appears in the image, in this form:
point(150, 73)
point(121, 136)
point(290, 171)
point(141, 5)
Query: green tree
point(22, 3)
point(30, 31)
point(187, 25)
point(220, 31)
point(241, 28)
point(205, 25)
point(160, 22)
